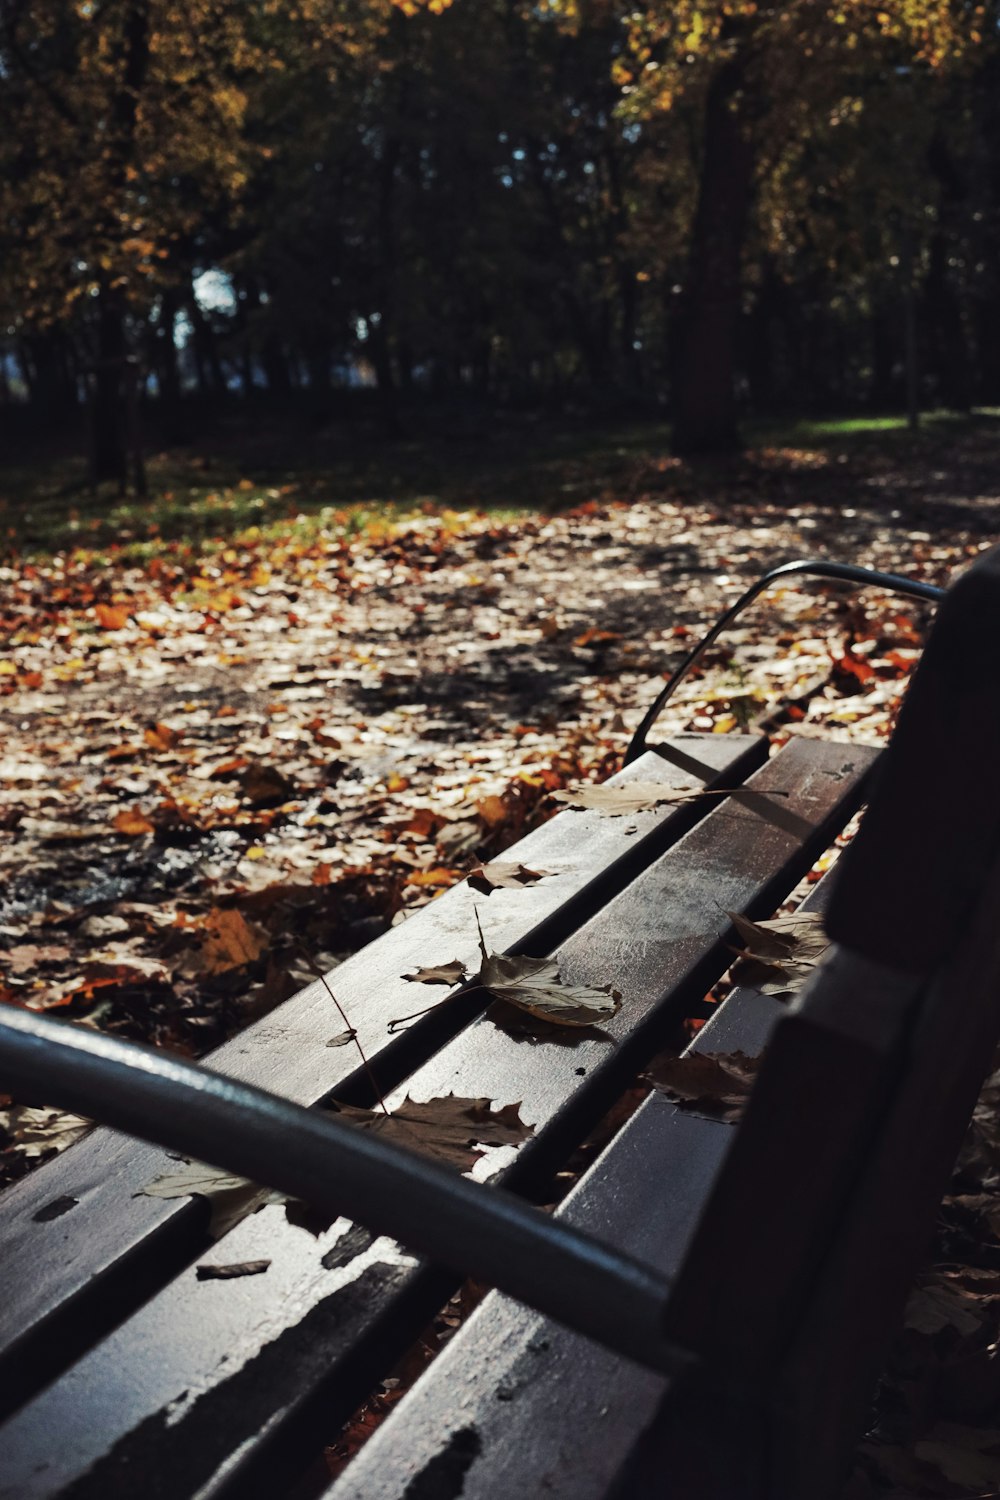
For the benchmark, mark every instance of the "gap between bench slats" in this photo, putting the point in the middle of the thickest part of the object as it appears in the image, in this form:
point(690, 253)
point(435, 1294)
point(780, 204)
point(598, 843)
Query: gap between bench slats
point(296, 1338)
point(519, 1404)
point(68, 1276)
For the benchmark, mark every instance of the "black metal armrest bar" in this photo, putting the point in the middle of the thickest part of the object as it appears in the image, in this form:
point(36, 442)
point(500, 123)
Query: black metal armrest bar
point(476, 1230)
point(814, 567)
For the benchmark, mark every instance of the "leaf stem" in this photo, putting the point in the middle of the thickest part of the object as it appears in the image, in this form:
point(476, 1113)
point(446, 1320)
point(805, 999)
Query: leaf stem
point(308, 960)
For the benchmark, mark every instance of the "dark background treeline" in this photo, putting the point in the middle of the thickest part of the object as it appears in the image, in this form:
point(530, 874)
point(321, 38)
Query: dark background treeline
point(381, 212)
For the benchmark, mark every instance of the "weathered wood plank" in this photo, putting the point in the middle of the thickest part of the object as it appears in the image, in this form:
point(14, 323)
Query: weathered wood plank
point(517, 1404)
point(69, 1276)
point(744, 855)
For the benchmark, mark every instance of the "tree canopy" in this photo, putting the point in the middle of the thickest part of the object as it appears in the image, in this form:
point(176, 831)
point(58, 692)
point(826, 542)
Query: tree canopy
point(709, 204)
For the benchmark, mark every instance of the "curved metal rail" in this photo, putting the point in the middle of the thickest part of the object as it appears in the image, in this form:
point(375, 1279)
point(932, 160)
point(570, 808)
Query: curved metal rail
point(477, 1230)
point(834, 572)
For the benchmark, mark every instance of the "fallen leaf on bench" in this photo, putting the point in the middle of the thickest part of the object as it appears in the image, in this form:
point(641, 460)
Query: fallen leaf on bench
point(209, 1272)
point(37, 1131)
point(502, 874)
point(449, 973)
point(230, 1198)
point(937, 1305)
point(714, 1084)
point(342, 1038)
point(633, 797)
point(450, 1130)
point(536, 986)
point(778, 957)
point(968, 1456)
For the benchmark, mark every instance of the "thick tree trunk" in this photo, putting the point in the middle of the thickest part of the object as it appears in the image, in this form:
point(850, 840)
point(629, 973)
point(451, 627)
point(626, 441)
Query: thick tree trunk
point(704, 397)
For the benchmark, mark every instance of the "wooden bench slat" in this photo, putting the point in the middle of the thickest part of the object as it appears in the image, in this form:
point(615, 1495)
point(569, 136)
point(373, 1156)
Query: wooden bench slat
point(225, 1348)
point(68, 1277)
point(543, 1410)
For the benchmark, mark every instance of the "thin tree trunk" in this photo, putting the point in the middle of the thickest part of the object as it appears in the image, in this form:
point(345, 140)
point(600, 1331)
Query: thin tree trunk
point(704, 398)
point(109, 451)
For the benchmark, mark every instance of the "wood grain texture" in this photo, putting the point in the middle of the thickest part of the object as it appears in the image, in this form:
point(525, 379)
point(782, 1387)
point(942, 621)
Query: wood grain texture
point(521, 1404)
point(67, 1278)
point(753, 846)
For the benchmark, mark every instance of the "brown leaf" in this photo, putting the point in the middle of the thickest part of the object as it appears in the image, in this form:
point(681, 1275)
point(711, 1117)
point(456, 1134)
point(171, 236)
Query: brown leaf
point(632, 797)
point(449, 973)
point(778, 957)
point(716, 1085)
point(939, 1304)
point(230, 1198)
point(230, 942)
point(133, 821)
point(536, 986)
point(209, 1272)
point(503, 874)
point(35, 1132)
point(342, 1038)
point(967, 1456)
point(161, 737)
point(449, 1130)
point(493, 810)
point(264, 784)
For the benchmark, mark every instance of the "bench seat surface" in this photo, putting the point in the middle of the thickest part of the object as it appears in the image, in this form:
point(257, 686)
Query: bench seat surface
point(210, 1386)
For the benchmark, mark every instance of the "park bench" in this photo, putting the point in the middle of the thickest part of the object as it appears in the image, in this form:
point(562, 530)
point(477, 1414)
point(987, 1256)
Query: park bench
point(707, 1310)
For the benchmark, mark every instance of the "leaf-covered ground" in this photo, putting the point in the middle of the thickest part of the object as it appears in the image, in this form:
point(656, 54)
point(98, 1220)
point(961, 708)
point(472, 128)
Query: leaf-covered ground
point(231, 759)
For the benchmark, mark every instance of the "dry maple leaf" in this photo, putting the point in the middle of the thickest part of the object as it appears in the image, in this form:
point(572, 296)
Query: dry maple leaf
point(778, 957)
point(536, 986)
point(34, 1132)
point(230, 942)
point(230, 1198)
point(502, 874)
point(449, 973)
point(632, 797)
point(714, 1084)
point(450, 1130)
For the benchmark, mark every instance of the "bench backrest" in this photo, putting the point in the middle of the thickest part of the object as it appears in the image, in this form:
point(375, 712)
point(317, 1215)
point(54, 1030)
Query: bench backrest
point(796, 1276)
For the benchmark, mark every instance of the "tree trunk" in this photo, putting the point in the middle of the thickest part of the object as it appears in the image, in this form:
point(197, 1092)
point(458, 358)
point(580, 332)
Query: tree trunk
point(109, 437)
point(704, 397)
point(166, 367)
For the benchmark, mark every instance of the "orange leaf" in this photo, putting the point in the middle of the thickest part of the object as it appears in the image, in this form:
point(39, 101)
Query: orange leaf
point(132, 821)
point(161, 737)
point(111, 616)
point(440, 876)
point(856, 665)
point(493, 811)
point(230, 942)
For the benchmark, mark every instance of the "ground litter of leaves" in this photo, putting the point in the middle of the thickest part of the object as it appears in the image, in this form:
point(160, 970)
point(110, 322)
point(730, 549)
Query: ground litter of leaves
point(226, 765)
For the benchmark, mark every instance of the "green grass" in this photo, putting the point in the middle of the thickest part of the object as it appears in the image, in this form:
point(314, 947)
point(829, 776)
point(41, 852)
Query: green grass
point(283, 487)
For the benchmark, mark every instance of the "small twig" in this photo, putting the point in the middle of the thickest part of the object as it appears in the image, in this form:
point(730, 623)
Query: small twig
point(315, 968)
point(398, 1021)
